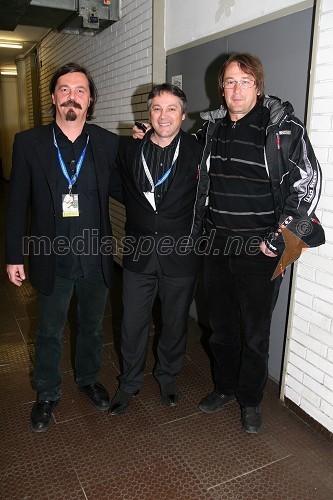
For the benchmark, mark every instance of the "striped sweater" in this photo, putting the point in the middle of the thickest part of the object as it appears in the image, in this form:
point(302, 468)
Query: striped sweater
point(240, 198)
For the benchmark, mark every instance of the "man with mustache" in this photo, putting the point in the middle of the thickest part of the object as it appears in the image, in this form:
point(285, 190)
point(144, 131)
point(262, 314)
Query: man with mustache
point(71, 115)
point(63, 174)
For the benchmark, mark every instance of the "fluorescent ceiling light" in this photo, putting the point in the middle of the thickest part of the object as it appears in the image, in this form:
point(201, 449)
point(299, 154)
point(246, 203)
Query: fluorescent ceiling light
point(8, 72)
point(11, 45)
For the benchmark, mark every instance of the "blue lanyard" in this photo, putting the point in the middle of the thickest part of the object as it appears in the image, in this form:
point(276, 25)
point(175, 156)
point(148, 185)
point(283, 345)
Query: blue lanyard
point(164, 177)
point(167, 173)
point(73, 179)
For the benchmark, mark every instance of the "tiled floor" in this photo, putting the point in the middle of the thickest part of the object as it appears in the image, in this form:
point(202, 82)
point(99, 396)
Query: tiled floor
point(152, 452)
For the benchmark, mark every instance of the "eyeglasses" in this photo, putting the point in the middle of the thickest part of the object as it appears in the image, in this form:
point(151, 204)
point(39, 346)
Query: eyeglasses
point(244, 84)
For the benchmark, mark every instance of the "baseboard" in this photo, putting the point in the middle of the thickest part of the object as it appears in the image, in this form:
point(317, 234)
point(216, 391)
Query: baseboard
point(309, 420)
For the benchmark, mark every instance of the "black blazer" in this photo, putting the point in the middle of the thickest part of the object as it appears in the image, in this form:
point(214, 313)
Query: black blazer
point(33, 187)
point(179, 214)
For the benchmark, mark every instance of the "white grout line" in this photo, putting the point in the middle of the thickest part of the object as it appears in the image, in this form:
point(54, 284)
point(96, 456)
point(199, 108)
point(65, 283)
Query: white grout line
point(249, 472)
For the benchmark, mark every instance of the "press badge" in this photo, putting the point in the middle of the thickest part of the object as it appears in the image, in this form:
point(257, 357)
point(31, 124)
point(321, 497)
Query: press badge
point(70, 205)
point(151, 198)
point(150, 194)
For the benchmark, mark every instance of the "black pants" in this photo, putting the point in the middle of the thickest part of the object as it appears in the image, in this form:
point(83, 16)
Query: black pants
point(241, 298)
point(91, 293)
point(139, 292)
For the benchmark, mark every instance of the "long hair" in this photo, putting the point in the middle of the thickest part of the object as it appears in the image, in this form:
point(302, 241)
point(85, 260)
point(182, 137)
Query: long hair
point(74, 68)
point(170, 89)
point(248, 64)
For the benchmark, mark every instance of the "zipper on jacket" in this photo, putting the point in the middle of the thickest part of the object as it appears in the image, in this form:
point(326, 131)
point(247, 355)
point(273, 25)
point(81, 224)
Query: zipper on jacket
point(278, 140)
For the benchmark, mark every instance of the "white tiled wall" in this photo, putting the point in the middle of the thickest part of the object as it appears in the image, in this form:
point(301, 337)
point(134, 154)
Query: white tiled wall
point(119, 59)
point(120, 62)
point(309, 379)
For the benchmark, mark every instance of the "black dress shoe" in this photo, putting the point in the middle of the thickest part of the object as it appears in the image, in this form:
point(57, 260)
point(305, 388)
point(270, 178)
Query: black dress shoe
point(169, 394)
point(41, 415)
point(121, 402)
point(251, 419)
point(97, 394)
point(215, 401)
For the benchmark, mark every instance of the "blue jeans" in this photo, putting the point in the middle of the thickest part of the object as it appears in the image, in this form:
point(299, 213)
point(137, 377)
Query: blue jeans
point(91, 293)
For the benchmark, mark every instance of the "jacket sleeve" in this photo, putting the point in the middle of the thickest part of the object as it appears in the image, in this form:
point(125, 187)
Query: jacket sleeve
point(201, 134)
point(115, 187)
point(301, 182)
point(18, 204)
point(125, 142)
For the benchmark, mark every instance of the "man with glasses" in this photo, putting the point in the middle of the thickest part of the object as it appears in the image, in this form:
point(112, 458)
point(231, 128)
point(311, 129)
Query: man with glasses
point(265, 184)
point(264, 178)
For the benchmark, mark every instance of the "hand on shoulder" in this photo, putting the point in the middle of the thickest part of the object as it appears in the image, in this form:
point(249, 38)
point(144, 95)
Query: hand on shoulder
point(138, 130)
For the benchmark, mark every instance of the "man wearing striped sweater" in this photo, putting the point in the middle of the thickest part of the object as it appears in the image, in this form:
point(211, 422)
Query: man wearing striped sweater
point(264, 184)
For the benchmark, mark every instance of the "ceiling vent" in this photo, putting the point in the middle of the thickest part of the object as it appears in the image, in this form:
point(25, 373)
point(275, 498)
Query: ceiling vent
point(77, 17)
point(92, 16)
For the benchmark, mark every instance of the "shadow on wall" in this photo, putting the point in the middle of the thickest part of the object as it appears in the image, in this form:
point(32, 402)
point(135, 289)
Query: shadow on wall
point(139, 109)
point(211, 91)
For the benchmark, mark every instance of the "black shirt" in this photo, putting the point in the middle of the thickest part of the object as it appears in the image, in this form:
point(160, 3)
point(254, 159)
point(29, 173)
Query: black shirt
point(158, 160)
point(77, 244)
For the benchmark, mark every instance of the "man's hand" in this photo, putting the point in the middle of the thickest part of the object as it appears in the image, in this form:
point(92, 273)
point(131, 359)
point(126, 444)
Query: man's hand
point(266, 250)
point(138, 133)
point(16, 273)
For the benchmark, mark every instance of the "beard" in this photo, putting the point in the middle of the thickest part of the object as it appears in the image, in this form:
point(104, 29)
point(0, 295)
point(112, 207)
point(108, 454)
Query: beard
point(71, 115)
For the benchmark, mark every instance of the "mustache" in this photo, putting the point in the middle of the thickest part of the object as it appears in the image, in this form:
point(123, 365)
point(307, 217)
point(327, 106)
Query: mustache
point(71, 104)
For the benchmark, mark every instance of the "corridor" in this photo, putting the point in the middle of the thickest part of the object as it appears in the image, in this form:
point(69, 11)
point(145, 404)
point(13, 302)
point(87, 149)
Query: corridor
point(152, 452)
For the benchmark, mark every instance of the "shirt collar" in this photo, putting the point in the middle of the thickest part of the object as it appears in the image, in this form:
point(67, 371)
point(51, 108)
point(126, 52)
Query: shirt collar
point(250, 116)
point(60, 134)
point(172, 144)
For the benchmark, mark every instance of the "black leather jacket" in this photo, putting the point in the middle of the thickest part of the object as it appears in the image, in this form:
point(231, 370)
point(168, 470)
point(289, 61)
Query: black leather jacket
point(293, 169)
